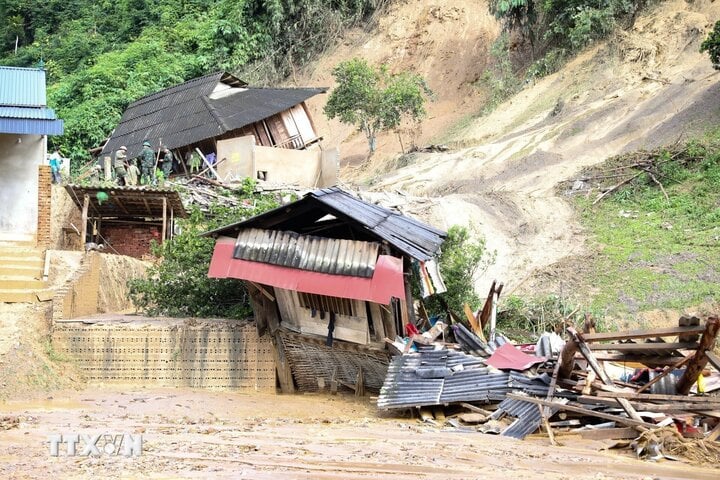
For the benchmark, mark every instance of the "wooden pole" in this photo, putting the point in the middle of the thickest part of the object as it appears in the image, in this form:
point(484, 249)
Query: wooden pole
point(164, 225)
point(83, 231)
point(700, 359)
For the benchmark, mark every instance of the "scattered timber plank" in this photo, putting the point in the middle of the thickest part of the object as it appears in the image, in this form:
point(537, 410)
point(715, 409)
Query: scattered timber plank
point(713, 359)
point(475, 409)
point(649, 360)
point(700, 359)
point(472, 321)
point(642, 347)
point(652, 333)
point(609, 434)
point(600, 372)
point(583, 411)
point(709, 401)
point(714, 433)
point(644, 406)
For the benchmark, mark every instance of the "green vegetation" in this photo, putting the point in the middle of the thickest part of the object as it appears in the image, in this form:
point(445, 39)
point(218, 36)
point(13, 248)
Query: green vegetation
point(711, 45)
point(178, 285)
point(554, 30)
point(658, 246)
point(375, 100)
point(101, 55)
point(461, 259)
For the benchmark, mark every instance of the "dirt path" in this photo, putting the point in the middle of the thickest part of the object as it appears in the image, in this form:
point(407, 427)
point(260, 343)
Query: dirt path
point(201, 434)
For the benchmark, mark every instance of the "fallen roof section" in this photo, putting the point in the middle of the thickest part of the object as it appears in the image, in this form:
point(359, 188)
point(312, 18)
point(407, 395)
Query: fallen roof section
point(336, 213)
point(127, 202)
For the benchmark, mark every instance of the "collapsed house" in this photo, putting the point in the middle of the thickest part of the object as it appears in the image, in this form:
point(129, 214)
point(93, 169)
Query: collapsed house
point(263, 133)
point(328, 277)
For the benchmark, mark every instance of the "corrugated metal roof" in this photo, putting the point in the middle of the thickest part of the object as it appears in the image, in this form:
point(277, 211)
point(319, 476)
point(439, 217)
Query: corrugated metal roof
point(27, 112)
point(434, 377)
point(22, 87)
point(185, 114)
point(409, 236)
point(308, 252)
point(26, 126)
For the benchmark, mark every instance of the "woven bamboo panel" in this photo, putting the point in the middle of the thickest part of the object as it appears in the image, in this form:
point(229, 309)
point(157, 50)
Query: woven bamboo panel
point(310, 361)
point(217, 355)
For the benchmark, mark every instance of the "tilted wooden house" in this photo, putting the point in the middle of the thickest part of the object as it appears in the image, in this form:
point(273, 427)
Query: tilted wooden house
point(208, 112)
point(329, 280)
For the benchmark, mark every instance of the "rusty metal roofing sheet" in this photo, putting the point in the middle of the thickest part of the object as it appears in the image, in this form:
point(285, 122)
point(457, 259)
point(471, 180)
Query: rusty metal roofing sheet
point(22, 87)
point(308, 252)
point(186, 114)
point(411, 237)
point(128, 202)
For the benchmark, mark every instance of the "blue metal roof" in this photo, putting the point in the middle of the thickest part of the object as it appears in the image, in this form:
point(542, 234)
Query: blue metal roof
point(22, 87)
point(28, 112)
point(28, 126)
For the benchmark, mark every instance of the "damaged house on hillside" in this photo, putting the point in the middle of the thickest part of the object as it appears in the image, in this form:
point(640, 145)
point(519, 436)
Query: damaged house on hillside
point(328, 277)
point(263, 133)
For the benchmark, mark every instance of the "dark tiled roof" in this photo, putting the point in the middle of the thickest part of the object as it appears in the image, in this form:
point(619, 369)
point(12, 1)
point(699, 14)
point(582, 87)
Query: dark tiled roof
point(186, 113)
point(366, 220)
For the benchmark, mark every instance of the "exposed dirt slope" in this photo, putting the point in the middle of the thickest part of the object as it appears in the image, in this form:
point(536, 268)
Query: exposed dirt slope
point(645, 87)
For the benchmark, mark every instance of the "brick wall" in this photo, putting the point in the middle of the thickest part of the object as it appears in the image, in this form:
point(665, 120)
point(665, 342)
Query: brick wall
point(131, 240)
point(44, 203)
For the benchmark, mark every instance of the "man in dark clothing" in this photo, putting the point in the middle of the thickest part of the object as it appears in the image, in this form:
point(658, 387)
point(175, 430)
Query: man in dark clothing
point(166, 163)
point(147, 165)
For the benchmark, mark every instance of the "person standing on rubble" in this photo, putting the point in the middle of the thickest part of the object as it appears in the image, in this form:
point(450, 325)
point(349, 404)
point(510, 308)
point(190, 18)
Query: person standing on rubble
point(119, 165)
point(166, 163)
point(147, 164)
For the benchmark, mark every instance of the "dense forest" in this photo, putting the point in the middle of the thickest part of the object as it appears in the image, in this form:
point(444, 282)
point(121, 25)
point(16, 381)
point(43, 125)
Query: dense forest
point(100, 55)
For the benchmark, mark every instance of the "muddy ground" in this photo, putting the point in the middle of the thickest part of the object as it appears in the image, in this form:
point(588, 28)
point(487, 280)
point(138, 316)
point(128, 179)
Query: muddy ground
point(202, 434)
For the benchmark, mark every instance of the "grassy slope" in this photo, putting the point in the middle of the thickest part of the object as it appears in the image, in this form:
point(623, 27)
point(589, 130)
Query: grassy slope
point(656, 252)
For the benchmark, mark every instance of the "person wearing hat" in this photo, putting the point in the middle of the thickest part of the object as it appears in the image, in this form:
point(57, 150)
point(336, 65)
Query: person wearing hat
point(119, 165)
point(147, 164)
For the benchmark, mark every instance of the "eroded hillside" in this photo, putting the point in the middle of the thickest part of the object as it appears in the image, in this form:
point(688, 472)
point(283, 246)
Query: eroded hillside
point(642, 88)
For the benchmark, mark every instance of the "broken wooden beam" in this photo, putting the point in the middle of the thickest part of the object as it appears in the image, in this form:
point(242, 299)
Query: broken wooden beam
point(609, 433)
point(661, 397)
point(651, 333)
point(666, 371)
point(584, 411)
point(700, 359)
point(642, 347)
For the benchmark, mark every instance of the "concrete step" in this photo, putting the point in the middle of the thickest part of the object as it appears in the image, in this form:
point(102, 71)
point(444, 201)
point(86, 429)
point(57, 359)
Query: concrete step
point(34, 260)
point(31, 272)
point(20, 295)
point(20, 282)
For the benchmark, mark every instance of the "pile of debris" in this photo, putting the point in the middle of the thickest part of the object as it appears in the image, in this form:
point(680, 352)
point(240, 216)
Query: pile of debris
point(652, 388)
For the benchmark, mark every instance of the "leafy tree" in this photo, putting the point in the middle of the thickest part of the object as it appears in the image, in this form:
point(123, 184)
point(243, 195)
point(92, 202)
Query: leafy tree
point(711, 45)
point(178, 284)
point(375, 100)
point(461, 259)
